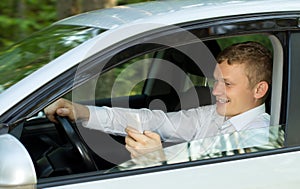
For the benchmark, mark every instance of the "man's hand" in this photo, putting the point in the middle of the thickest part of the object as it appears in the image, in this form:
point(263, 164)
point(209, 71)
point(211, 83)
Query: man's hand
point(141, 143)
point(65, 108)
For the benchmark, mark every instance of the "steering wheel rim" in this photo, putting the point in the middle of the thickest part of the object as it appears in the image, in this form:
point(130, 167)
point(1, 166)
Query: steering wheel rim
point(76, 143)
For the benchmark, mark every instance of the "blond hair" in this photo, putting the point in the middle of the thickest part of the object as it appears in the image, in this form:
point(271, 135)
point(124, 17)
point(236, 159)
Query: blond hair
point(256, 57)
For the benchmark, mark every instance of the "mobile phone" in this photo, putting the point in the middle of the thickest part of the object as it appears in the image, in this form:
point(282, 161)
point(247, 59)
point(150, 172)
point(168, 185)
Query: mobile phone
point(134, 121)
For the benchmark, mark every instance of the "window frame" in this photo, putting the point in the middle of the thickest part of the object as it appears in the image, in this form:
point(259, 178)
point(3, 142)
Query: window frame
point(293, 91)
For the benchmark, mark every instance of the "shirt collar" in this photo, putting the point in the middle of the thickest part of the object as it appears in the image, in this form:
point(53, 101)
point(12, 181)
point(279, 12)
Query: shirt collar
point(245, 118)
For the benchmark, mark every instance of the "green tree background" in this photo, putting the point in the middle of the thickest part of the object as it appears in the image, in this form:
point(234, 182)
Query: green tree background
point(20, 18)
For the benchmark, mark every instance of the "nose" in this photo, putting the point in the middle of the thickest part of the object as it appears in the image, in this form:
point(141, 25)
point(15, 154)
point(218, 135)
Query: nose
point(219, 88)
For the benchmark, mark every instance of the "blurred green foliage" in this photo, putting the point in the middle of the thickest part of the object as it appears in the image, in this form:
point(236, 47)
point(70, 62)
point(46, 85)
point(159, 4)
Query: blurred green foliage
point(20, 18)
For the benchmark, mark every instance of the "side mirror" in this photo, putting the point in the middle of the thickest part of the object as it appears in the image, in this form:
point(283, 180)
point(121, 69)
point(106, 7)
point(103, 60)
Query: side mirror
point(16, 167)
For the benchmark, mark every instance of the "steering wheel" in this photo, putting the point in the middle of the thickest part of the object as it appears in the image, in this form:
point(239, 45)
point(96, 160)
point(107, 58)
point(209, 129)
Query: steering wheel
point(77, 143)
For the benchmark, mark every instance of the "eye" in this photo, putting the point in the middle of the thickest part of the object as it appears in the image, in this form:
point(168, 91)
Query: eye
point(227, 83)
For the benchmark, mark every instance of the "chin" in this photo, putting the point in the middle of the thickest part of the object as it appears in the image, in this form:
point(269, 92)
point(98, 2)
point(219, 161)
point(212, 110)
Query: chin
point(221, 111)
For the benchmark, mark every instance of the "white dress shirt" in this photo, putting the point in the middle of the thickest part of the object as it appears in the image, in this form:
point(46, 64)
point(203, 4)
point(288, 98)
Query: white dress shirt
point(184, 125)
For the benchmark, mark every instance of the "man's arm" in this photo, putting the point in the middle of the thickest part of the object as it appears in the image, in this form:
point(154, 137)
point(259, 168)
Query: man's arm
point(172, 127)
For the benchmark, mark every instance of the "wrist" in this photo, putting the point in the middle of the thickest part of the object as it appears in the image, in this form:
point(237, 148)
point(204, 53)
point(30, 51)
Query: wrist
point(82, 112)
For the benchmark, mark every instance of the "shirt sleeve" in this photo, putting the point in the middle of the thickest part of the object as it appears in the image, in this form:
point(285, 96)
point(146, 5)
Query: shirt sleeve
point(172, 127)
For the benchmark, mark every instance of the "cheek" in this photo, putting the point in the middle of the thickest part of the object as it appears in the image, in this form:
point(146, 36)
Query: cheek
point(242, 95)
point(243, 99)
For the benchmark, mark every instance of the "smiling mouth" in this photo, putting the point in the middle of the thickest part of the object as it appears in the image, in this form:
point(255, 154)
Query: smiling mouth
point(223, 100)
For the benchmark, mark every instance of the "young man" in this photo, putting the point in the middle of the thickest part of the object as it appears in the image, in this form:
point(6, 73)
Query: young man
point(242, 79)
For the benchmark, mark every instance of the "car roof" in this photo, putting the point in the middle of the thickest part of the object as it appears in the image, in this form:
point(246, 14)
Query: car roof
point(148, 12)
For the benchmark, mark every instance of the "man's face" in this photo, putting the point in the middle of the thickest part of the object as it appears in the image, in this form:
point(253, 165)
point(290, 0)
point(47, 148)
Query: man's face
point(232, 90)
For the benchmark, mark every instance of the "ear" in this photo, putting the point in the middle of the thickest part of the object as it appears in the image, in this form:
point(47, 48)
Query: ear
point(261, 89)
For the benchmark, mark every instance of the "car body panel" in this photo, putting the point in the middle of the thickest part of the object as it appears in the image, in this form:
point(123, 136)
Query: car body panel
point(260, 172)
point(175, 12)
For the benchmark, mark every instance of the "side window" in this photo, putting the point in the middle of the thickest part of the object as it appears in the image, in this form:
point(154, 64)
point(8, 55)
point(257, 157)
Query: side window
point(240, 142)
point(126, 79)
point(164, 78)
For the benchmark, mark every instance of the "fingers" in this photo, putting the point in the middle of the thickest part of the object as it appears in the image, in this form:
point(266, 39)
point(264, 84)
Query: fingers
point(64, 112)
point(133, 152)
point(51, 117)
point(130, 141)
point(152, 135)
point(61, 107)
point(136, 135)
point(131, 146)
point(131, 130)
point(141, 143)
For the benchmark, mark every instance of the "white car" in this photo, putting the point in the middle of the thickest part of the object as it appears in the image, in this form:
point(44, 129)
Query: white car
point(156, 55)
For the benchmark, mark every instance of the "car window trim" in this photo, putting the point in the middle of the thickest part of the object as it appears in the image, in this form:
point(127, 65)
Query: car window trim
point(293, 101)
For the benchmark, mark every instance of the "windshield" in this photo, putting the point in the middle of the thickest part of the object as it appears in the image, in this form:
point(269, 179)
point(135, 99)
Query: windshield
point(25, 57)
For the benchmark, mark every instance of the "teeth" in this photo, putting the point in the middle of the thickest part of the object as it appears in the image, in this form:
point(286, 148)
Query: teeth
point(223, 100)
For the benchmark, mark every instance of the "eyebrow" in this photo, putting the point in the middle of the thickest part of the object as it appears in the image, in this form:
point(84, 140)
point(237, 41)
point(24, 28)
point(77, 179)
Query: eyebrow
point(224, 80)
